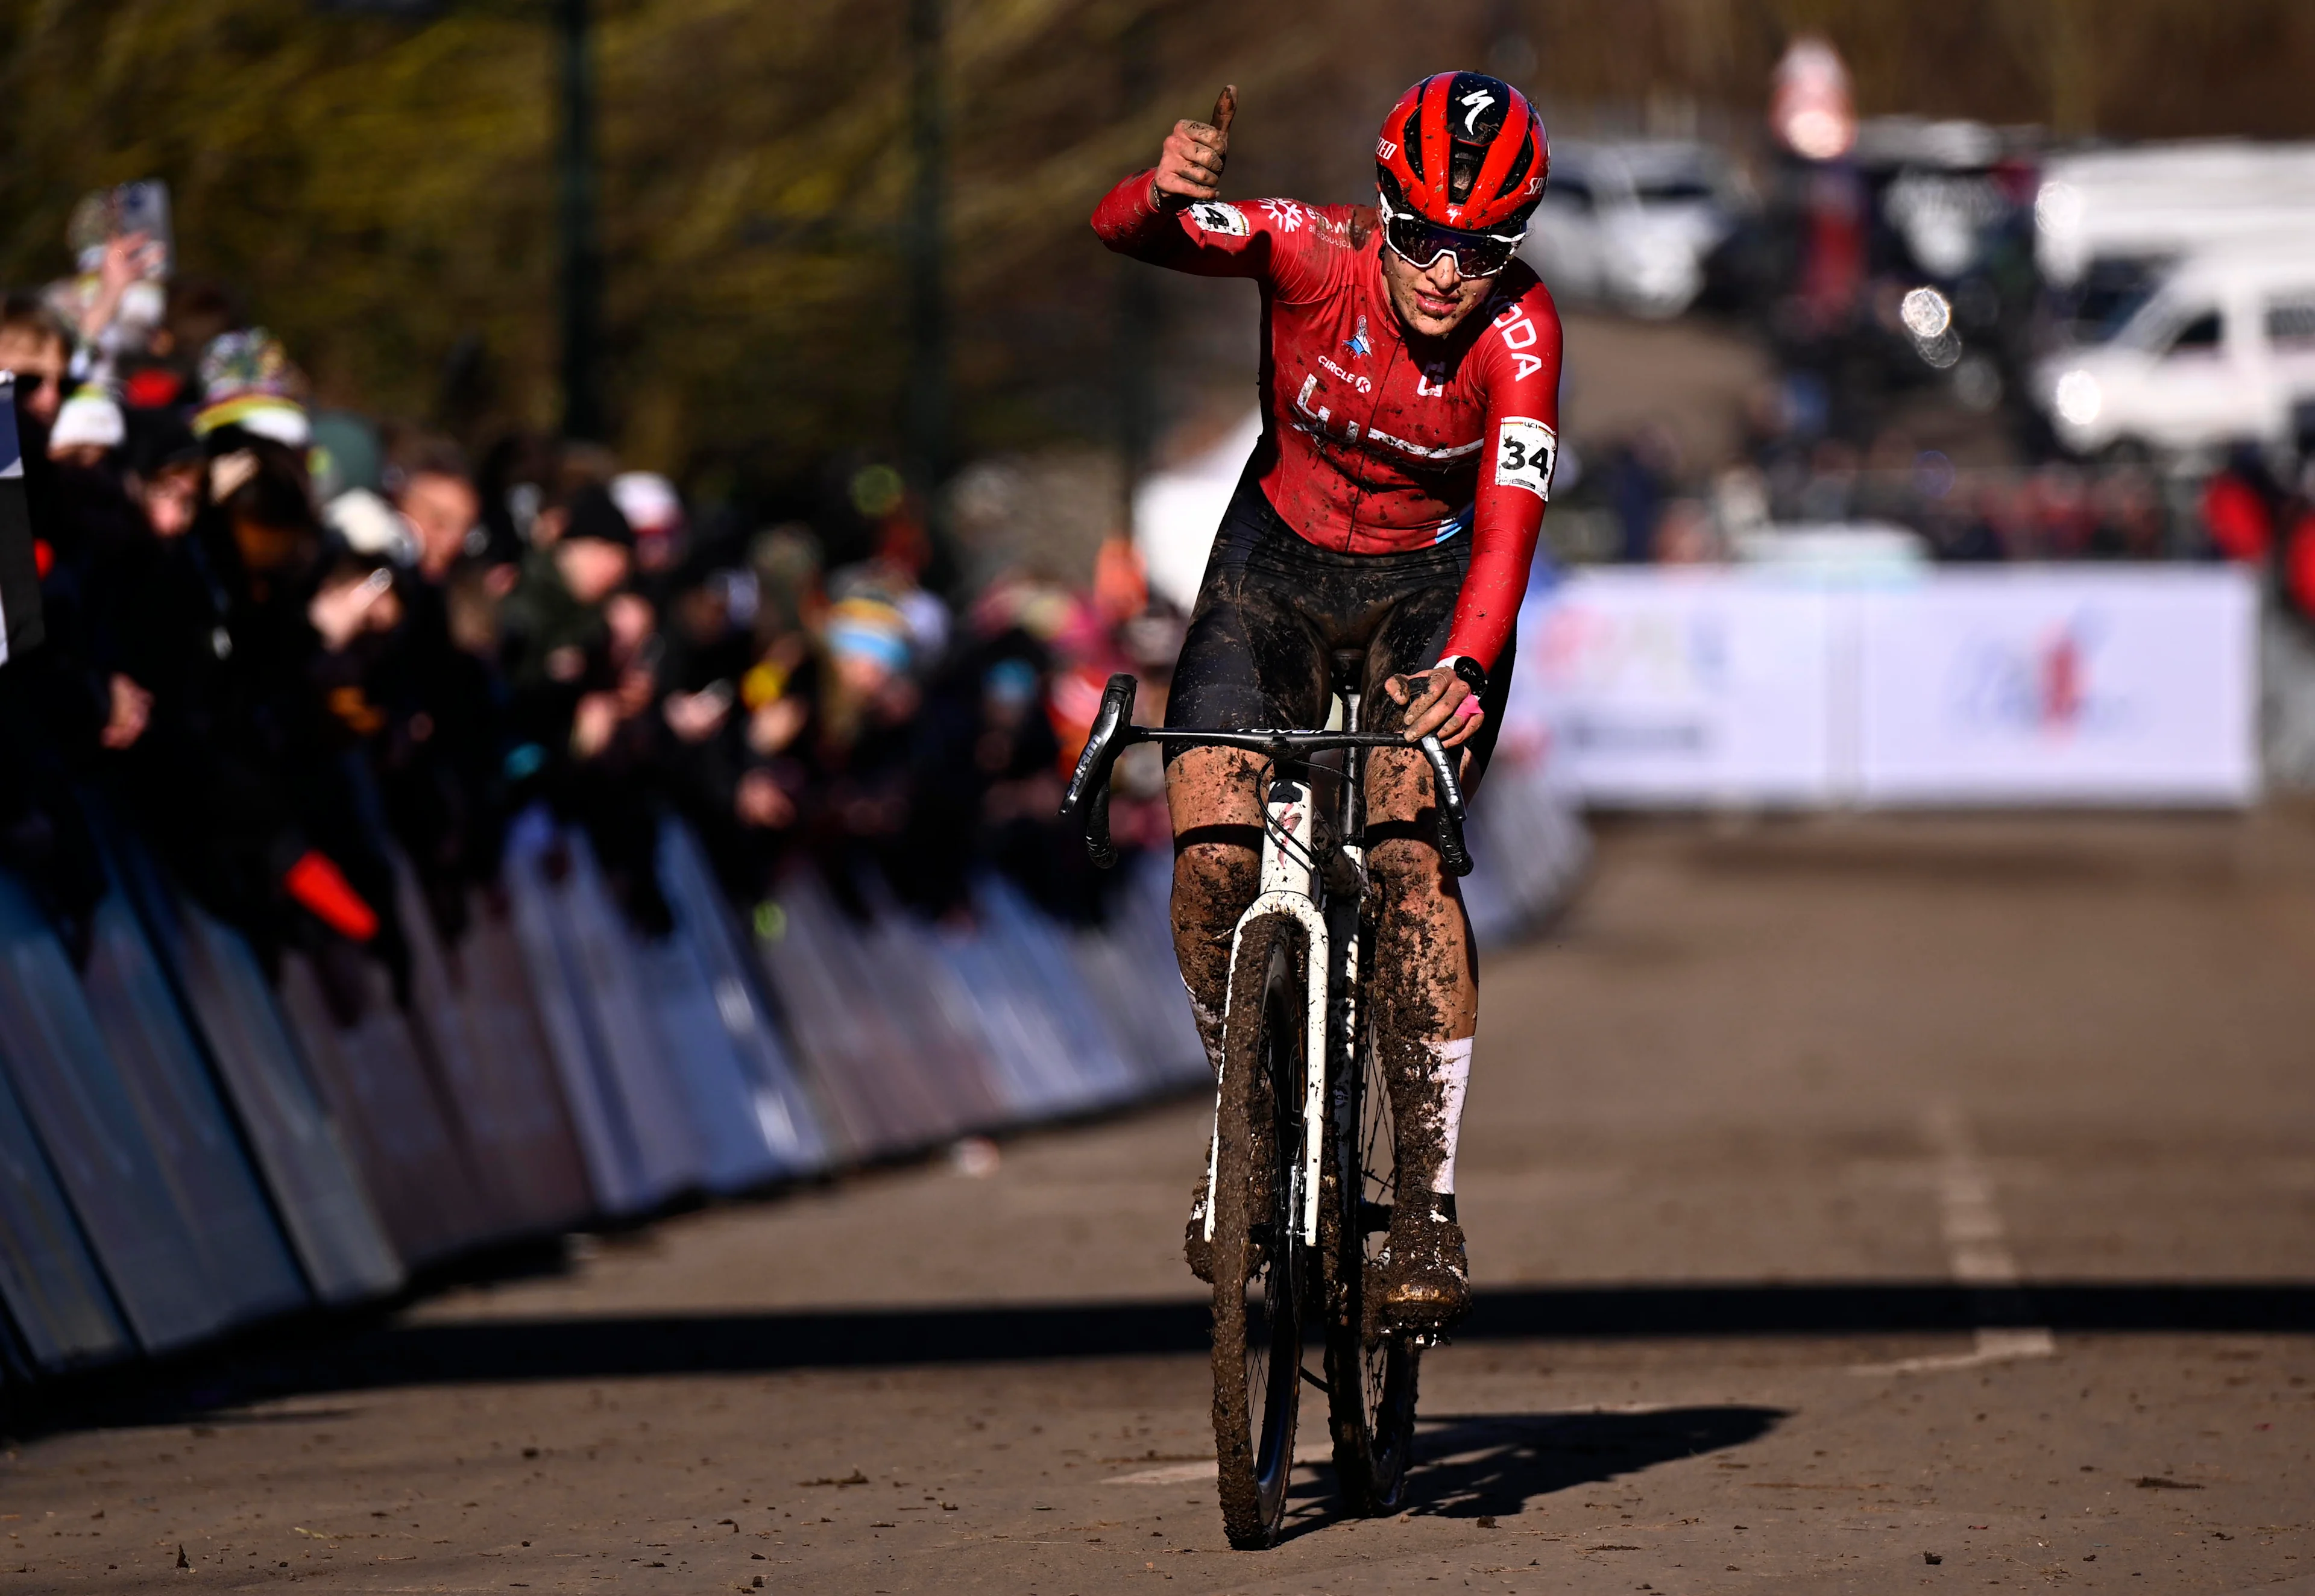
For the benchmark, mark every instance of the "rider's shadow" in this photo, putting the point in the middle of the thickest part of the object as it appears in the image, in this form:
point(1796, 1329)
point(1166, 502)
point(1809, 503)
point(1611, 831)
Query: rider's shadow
point(1467, 1464)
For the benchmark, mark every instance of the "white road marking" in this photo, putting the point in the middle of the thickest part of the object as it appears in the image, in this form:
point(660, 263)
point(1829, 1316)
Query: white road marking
point(1172, 1474)
point(1977, 1248)
point(1306, 1453)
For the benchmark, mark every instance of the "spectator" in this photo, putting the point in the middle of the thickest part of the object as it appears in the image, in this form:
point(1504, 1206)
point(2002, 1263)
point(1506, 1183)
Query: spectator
point(2238, 508)
point(292, 701)
point(579, 666)
point(652, 508)
point(445, 513)
point(35, 347)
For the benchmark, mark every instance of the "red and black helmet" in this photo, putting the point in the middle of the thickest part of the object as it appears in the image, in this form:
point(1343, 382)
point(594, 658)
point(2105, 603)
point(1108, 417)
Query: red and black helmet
point(1463, 150)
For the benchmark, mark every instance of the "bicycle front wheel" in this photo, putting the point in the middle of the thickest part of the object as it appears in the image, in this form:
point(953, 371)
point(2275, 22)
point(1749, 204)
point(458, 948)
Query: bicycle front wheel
point(1260, 1262)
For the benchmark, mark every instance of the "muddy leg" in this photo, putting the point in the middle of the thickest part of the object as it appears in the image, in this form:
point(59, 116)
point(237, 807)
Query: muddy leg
point(1426, 990)
point(1217, 870)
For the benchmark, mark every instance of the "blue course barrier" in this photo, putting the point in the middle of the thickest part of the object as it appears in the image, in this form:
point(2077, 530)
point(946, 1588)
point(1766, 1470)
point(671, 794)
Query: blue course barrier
point(744, 1085)
point(880, 1029)
point(1128, 968)
point(188, 1144)
point(242, 1251)
point(1081, 1066)
point(365, 1053)
point(61, 1315)
point(496, 1075)
point(300, 1155)
point(633, 1123)
point(73, 1093)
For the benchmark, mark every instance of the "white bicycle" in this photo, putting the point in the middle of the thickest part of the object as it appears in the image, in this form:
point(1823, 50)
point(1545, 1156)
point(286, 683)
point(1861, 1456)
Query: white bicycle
point(1301, 1168)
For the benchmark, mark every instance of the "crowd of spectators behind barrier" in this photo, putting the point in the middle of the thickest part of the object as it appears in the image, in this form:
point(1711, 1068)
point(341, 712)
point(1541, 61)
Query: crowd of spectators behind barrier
point(1635, 503)
point(285, 646)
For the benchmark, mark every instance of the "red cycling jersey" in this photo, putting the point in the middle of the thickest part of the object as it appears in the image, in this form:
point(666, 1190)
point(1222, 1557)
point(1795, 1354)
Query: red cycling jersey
point(1374, 441)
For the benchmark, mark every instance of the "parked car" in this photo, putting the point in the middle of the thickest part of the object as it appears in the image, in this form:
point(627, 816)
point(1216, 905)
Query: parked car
point(1629, 224)
point(2220, 351)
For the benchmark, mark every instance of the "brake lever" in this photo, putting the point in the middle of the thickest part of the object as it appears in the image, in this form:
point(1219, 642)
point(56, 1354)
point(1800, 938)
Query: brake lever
point(1453, 853)
point(1086, 805)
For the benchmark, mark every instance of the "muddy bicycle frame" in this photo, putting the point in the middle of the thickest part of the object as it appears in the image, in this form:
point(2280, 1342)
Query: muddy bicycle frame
point(1307, 869)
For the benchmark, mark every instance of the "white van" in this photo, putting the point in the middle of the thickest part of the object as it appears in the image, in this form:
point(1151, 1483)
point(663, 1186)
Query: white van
point(2218, 352)
point(2149, 202)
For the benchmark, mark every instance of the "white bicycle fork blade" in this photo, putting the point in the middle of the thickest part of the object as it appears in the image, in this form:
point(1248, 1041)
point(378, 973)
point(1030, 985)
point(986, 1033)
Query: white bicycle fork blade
point(1314, 1076)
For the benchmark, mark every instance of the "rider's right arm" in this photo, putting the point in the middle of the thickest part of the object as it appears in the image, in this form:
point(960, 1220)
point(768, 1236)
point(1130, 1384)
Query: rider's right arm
point(1275, 242)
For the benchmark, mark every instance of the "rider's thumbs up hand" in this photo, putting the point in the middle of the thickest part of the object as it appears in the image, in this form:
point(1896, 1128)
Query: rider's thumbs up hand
point(1190, 163)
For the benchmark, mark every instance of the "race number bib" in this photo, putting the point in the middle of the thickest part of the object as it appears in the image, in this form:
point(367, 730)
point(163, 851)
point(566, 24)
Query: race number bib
point(1525, 452)
point(1212, 216)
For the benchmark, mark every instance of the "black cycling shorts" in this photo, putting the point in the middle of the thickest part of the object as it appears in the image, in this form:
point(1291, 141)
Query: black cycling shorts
point(1274, 608)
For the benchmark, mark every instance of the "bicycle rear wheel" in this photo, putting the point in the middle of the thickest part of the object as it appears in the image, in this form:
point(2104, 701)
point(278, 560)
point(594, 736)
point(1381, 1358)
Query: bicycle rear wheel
point(1370, 1373)
point(1260, 1262)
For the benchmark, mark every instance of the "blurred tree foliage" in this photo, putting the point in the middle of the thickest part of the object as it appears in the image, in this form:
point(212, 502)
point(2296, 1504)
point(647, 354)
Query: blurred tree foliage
point(381, 192)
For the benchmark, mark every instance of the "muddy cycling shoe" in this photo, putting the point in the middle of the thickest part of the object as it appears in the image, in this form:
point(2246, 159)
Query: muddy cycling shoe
point(1195, 1248)
point(1428, 1282)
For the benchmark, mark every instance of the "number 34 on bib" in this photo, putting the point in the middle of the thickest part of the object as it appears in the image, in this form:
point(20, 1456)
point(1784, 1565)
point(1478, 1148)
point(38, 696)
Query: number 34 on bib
point(1525, 452)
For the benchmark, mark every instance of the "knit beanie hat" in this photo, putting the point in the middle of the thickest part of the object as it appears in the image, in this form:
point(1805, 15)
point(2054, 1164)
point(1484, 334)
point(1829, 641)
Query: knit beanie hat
point(594, 514)
point(247, 381)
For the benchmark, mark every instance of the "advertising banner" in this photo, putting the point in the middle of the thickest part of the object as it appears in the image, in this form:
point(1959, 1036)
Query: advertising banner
point(2077, 684)
point(2072, 684)
point(1662, 687)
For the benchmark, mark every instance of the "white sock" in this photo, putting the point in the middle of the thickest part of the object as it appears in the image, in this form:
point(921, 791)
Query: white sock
point(1450, 1070)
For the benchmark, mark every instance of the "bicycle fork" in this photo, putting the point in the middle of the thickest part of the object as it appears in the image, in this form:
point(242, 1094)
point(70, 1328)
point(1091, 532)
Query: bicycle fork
point(1290, 870)
point(1289, 882)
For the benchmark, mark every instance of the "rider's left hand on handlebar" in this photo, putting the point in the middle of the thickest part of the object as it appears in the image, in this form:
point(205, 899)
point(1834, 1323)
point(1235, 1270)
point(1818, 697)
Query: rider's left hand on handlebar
point(1437, 700)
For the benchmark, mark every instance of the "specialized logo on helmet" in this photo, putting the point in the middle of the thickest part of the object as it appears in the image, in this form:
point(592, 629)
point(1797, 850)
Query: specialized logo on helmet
point(1464, 150)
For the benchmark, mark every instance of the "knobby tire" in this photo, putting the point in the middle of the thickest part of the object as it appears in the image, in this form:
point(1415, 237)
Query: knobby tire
point(1371, 1376)
point(1257, 1349)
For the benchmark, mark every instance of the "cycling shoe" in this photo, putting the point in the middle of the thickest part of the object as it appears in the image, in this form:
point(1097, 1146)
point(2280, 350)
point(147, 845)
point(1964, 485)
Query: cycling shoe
point(1428, 1280)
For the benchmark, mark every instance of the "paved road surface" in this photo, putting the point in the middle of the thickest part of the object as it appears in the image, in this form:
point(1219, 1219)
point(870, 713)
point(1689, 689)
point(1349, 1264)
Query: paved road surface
point(1761, 1148)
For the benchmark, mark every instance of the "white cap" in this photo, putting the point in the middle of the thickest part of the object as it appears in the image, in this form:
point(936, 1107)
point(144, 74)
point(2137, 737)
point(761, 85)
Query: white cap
point(649, 502)
point(89, 417)
point(284, 423)
point(370, 525)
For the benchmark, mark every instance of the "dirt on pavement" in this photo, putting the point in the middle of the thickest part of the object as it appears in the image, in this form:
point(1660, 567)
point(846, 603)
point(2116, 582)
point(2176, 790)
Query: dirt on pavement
point(1857, 1204)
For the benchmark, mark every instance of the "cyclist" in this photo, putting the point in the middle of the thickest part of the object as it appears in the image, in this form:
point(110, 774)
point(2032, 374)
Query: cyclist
point(1410, 401)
